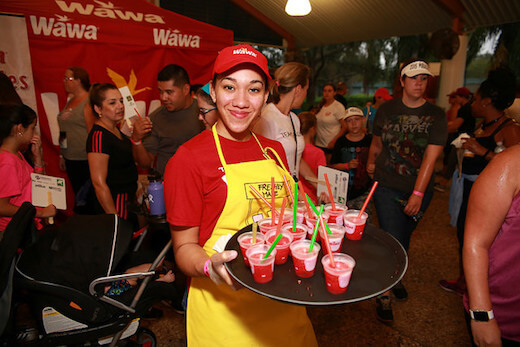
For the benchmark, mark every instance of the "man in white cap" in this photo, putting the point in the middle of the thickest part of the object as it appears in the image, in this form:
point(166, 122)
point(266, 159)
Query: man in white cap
point(409, 135)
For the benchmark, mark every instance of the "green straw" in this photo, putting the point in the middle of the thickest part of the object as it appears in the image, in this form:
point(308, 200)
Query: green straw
point(315, 233)
point(295, 207)
point(278, 238)
point(316, 212)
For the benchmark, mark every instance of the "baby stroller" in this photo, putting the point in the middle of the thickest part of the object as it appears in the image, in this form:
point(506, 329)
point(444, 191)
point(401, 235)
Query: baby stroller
point(65, 273)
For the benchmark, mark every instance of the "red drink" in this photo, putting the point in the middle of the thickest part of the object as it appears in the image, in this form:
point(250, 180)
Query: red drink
point(282, 247)
point(336, 239)
point(301, 231)
point(354, 226)
point(311, 223)
point(262, 269)
point(245, 241)
point(300, 211)
point(337, 278)
point(303, 261)
point(335, 216)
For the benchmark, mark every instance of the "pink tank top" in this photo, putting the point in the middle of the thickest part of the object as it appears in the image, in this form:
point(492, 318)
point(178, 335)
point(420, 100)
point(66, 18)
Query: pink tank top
point(504, 274)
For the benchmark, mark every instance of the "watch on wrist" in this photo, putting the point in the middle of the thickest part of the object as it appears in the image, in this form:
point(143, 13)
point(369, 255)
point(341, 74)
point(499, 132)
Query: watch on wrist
point(481, 316)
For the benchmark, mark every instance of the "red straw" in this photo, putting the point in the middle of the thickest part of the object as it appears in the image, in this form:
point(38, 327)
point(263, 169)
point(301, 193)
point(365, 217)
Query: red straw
point(288, 189)
point(280, 218)
point(367, 200)
point(261, 197)
point(325, 237)
point(273, 201)
point(330, 192)
point(135, 109)
point(309, 211)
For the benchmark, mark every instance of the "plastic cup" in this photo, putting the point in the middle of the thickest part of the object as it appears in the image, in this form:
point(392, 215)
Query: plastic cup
point(354, 226)
point(245, 241)
point(303, 261)
point(282, 247)
point(311, 223)
point(337, 278)
point(264, 225)
point(300, 212)
point(262, 269)
point(336, 239)
point(336, 216)
point(301, 231)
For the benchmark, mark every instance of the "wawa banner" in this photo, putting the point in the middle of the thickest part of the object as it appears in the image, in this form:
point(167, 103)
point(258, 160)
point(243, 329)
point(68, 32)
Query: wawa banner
point(124, 42)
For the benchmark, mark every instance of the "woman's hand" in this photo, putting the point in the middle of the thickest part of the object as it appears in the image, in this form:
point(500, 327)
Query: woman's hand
point(217, 270)
point(413, 206)
point(353, 164)
point(36, 150)
point(371, 168)
point(486, 333)
point(46, 212)
point(142, 126)
point(472, 145)
point(61, 164)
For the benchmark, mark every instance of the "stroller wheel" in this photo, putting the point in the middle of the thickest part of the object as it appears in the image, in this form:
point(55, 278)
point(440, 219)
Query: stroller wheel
point(146, 338)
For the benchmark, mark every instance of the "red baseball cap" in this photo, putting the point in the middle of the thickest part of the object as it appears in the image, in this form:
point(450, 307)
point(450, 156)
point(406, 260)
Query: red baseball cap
point(383, 93)
point(465, 92)
point(232, 56)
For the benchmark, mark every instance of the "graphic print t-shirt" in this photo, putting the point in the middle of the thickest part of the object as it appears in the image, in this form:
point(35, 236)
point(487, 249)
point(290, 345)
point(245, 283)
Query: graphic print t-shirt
point(405, 133)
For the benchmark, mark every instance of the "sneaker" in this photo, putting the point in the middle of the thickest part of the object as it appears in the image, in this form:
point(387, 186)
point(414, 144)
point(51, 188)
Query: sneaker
point(399, 291)
point(452, 286)
point(384, 309)
point(439, 188)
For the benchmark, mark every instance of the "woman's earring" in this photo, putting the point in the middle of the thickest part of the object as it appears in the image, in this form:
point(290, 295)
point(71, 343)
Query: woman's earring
point(20, 133)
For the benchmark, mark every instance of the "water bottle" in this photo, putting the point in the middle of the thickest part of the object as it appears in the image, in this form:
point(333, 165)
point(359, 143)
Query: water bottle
point(500, 147)
point(156, 195)
point(402, 203)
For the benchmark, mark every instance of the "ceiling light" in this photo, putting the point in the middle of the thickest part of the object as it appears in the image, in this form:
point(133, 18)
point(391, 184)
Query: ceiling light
point(298, 7)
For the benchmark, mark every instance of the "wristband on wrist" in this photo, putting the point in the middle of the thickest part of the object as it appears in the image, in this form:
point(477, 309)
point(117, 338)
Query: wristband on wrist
point(418, 193)
point(206, 267)
point(136, 142)
point(38, 169)
point(346, 166)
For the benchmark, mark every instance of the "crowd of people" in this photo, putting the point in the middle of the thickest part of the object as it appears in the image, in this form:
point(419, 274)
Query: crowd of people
point(242, 127)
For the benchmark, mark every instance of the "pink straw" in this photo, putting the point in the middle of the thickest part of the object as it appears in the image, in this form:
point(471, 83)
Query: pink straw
point(309, 211)
point(273, 201)
point(258, 195)
point(280, 218)
point(330, 192)
point(288, 189)
point(325, 237)
point(367, 200)
point(135, 109)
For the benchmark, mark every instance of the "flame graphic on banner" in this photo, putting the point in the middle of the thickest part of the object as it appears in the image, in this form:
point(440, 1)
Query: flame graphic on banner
point(120, 81)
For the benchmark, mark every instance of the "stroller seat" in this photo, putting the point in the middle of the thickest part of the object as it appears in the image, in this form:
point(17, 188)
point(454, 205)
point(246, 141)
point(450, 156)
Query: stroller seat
point(65, 273)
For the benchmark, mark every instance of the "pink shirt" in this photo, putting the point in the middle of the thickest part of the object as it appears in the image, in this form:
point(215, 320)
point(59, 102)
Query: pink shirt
point(314, 157)
point(15, 182)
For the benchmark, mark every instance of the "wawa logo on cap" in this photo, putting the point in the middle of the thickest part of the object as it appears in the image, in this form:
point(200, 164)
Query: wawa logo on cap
point(244, 50)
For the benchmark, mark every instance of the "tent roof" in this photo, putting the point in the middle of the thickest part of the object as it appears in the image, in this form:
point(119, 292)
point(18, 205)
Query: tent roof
point(134, 22)
point(339, 21)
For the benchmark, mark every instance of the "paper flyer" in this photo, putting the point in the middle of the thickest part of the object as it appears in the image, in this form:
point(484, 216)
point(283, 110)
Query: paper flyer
point(48, 190)
point(338, 183)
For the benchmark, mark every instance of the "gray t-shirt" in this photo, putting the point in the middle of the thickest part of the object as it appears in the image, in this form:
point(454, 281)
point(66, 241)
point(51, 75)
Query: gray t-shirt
point(170, 130)
point(405, 133)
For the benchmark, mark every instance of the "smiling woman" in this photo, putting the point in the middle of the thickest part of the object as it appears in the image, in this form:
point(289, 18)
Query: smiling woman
point(112, 166)
point(206, 201)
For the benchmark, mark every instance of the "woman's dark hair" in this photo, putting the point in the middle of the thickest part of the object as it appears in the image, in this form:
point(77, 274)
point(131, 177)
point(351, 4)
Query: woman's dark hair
point(499, 87)
point(330, 84)
point(8, 94)
point(81, 74)
point(286, 78)
point(12, 115)
point(307, 121)
point(97, 95)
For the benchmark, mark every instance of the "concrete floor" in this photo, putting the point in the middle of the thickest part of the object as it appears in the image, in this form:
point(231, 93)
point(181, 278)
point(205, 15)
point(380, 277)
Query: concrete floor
point(430, 316)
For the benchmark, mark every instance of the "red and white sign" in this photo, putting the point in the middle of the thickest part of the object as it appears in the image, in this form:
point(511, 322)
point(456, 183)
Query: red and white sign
point(117, 41)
